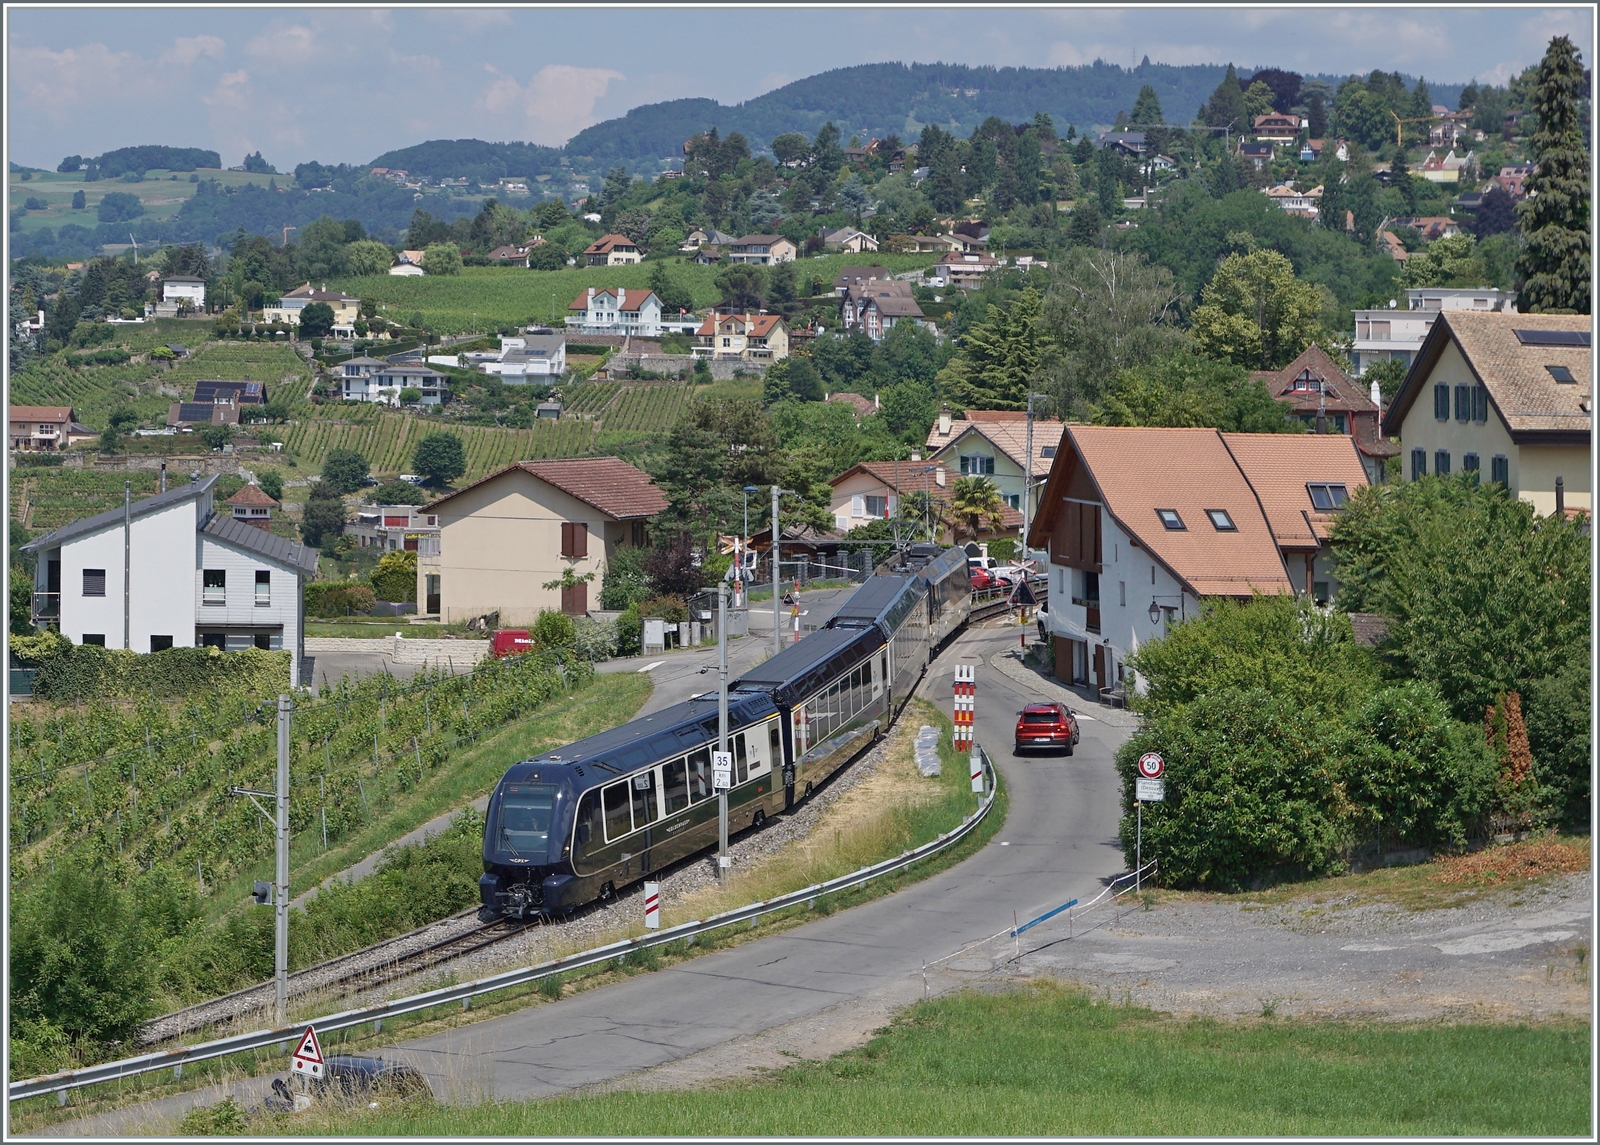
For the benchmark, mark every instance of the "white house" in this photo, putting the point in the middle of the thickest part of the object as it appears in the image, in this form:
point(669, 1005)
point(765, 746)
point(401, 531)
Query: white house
point(529, 356)
point(196, 577)
point(762, 250)
point(184, 288)
point(1143, 523)
point(615, 310)
point(407, 270)
point(1384, 334)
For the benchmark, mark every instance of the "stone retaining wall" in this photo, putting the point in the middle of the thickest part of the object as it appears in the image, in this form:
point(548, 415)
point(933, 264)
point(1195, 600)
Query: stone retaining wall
point(403, 649)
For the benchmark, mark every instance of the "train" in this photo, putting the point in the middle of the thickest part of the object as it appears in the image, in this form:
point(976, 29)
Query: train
point(577, 824)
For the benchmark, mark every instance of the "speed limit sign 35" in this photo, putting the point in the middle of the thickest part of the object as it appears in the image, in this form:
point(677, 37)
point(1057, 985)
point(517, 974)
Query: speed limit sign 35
point(1151, 765)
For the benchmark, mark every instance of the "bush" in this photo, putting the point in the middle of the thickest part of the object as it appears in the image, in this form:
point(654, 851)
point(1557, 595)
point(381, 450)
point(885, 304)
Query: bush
point(595, 640)
point(630, 633)
point(1557, 712)
point(224, 1119)
point(625, 582)
point(338, 598)
point(69, 671)
point(343, 470)
point(399, 492)
point(672, 609)
point(554, 630)
point(395, 578)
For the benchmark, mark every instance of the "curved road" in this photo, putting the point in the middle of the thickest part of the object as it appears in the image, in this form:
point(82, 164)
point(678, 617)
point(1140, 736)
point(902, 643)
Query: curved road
point(1058, 842)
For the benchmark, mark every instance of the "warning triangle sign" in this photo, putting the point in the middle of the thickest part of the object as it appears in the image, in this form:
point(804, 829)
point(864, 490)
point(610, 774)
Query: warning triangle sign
point(308, 1055)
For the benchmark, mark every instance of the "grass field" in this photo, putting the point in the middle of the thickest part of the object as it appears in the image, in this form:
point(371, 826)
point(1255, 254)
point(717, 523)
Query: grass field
point(486, 297)
point(1045, 1060)
point(161, 192)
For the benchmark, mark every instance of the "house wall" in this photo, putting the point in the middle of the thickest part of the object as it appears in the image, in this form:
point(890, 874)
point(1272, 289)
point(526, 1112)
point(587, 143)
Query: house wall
point(500, 542)
point(160, 554)
point(842, 504)
point(239, 615)
point(1533, 469)
point(194, 291)
point(1007, 475)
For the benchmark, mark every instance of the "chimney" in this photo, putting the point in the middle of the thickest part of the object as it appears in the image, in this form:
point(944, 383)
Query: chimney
point(944, 423)
point(1322, 414)
point(874, 401)
point(163, 477)
point(1561, 497)
point(916, 455)
point(938, 477)
point(1376, 394)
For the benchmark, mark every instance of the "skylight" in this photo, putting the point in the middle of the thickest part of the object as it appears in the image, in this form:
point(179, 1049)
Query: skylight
point(1223, 522)
point(1170, 518)
point(1325, 497)
point(1562, 375)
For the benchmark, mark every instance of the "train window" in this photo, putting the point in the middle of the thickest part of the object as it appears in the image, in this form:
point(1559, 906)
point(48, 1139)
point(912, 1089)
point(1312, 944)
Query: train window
point(522, 825)
point(741, 761)
point(774, 744)
point(699, 774)
point(618, 821)
point(675, 785)
point(643, 787)
point(588, 818)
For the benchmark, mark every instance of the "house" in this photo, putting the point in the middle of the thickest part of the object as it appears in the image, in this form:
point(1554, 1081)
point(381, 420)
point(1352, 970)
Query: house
point(1430, 227)
point(1259, 154)
point(847, 239)
point(346, 309)
point(187, 415)
point(1276, 127)
point(1447, 169)
point(1392, 246)
point(862, 407)
point(196, 577)
point(252, 507)
point(1311, 150)
point(528, 356)
point(762, 250)
point(36, 429)
point(1452, 128)
point(184, 288)
point(1127, 143)
point(412, 257)
point(1136, 544)
point(513, 255)
point(407, 270)
point(502, 539)
point(852, 275)
point(706, 236)
point(1514, 179)
point(615, 310)
point(759, 337)
point(1384, 334)
point(876, 305)
point(396, 528)
point(1160, 163)
point(993, 444)
point(934, 244)
point(963, 270)
point(1508, 396)
point(1328, 401)
point(236, 393)
point(1302, 203)
point(873, 490)
point(612, 250)
point(352, 374)
point(387, 384)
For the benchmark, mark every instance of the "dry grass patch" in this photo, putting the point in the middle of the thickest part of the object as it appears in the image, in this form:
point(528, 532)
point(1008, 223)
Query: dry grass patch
point(1513, 863)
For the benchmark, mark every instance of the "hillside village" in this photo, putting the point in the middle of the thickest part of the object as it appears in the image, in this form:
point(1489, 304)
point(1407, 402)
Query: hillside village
point(1302, 350)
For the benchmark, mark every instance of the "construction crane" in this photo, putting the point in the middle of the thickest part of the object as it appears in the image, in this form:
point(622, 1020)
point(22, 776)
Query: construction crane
point(1399, 125)
point(286, 231)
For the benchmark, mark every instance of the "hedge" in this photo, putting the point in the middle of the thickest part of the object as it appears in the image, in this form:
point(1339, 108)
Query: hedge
point(338, 598)
point(72, 672)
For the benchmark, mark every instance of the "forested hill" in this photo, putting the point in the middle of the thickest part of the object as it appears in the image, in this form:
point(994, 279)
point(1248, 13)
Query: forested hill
point(882, 99)
point(472, 159)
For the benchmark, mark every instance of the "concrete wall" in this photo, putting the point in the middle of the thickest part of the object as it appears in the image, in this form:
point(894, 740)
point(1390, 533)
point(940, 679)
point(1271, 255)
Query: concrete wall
point(161, 597)
point(721, 368)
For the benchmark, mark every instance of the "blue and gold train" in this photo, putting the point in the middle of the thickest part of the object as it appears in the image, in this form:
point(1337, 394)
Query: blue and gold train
point(576, 824)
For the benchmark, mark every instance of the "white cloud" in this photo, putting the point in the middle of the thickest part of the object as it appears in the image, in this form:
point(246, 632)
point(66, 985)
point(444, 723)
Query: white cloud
point(555, 104)
point(296, 46)
point(56, 83)
point(186, 50)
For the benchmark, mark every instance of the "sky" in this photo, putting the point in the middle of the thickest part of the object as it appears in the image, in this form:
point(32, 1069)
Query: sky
point(347, 84)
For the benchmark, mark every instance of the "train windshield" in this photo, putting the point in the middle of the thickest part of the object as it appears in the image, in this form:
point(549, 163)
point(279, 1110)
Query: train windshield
point(522, 825)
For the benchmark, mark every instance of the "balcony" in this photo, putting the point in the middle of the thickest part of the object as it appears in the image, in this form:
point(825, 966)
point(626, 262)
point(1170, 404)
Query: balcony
point(46, 607)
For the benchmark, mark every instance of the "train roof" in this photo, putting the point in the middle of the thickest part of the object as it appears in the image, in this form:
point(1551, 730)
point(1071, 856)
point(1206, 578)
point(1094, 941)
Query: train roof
point(880, 600)
point(647, 739)
point(943, 565)
point(802, 668)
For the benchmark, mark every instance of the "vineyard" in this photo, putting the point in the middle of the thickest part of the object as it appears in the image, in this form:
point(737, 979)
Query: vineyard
point(645, 409)
point(148, 784)
point(387, 440)
point(44, 499)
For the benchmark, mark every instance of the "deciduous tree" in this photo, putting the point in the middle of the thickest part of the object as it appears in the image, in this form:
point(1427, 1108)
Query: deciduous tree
point(1255, 312)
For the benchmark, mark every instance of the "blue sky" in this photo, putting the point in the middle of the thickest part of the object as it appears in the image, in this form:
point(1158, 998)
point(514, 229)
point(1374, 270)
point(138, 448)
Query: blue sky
point(345, 85)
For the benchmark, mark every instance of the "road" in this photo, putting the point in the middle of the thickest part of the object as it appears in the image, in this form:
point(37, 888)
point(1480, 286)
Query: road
point(1058, 842)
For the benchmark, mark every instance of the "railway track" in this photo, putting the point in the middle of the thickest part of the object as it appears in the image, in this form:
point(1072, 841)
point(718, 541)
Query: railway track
point(399, 957)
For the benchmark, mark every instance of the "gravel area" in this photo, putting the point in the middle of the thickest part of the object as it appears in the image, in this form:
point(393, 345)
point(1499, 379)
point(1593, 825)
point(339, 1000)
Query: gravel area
point(1519, 952)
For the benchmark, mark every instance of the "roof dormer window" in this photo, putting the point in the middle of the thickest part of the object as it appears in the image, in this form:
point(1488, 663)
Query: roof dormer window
point(1170, 518)
point(1306, 382)
point(1326, 497)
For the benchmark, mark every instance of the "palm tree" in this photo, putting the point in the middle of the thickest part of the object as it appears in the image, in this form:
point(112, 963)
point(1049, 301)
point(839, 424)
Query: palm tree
point(974, 500)
point(925, 511)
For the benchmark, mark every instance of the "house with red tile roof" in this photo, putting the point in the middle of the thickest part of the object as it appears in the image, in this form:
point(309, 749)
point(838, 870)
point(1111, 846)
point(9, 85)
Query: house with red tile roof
point(1327, 400)
point(612, 250)
point(993, 444)
point(34, 428)
point(615, 310)
point(252, 506)
point(759, 337)
point(503, 538)
point(1142, 524)
point(872, 490)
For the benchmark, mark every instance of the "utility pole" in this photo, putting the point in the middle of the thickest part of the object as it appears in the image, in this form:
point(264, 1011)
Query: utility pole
point(127, 564)
point(1027, 479)
point(777, 634)
point(722, 721)
point(281, 954)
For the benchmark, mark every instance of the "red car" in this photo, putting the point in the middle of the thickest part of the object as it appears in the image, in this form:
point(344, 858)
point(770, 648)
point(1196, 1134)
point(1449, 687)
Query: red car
point(980, 578)
point(1047, 725)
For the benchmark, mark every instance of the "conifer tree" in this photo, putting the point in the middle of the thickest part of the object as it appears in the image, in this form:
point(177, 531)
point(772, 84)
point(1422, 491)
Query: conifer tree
point(1554, 266)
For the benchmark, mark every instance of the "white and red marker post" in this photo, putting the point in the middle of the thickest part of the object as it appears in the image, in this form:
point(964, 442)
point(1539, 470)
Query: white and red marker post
point(652, 906)
point(965, 702)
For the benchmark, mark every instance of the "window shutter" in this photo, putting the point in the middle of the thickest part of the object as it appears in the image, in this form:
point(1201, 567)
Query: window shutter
point(1419, 464)
point(1463, 403)
point(580, 598)
point(580, 539)
point(1441, 402)
point(1480, 404)
point(858, 505)
point(566, 539)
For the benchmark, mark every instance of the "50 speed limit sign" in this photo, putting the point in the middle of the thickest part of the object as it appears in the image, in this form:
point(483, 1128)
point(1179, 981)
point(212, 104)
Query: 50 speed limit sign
point(1151, 765)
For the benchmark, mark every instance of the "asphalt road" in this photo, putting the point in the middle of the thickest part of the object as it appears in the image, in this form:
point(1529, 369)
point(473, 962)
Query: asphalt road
point(1059, 842)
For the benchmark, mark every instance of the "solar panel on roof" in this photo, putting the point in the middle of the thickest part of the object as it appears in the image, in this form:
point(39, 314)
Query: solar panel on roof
point(1552, 337)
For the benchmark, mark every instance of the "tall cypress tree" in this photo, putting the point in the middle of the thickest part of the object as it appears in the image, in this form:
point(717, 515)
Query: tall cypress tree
point(1554, 266)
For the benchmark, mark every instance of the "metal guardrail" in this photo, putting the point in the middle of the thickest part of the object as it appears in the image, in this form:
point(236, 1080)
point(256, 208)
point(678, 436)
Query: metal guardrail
point(465, 992)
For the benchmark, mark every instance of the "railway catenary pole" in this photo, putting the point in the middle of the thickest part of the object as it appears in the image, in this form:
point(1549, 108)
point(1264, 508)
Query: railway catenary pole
point(281, 935)
point(722, 721)
point(777, 631)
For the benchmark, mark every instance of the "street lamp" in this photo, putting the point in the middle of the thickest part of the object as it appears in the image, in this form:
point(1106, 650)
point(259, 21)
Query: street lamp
point(1157, 608)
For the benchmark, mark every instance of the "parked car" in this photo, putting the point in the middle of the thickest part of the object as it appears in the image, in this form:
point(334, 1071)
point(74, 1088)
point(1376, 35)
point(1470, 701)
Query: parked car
point(1047, 725)
point(980, 578)
point(351, 1079)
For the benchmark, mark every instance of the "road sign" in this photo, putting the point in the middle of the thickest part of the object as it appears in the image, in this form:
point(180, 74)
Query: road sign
point(721, 770)
point(308, 1056)
point(1151, 765)
point(1150, 790)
